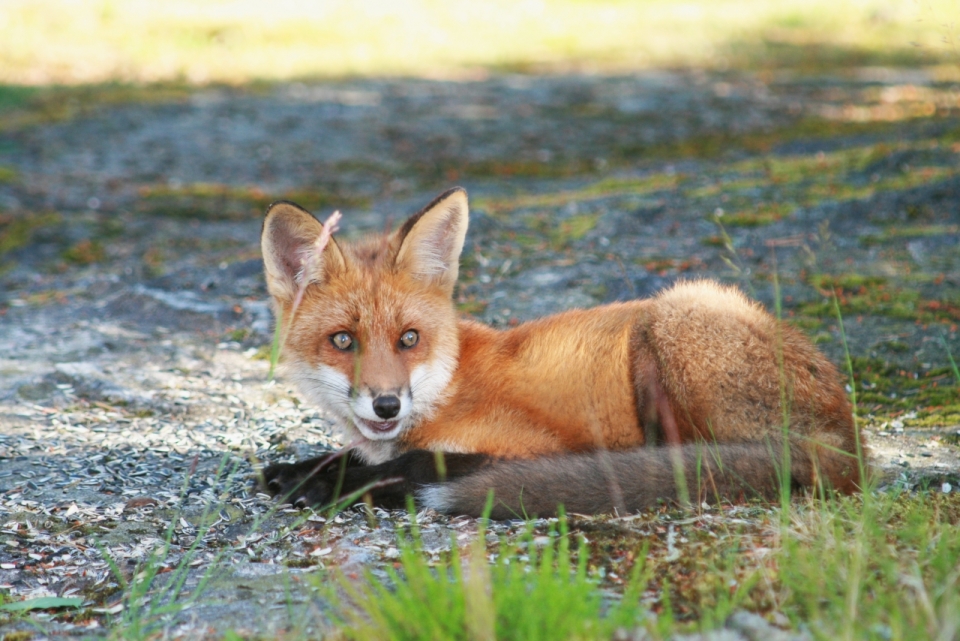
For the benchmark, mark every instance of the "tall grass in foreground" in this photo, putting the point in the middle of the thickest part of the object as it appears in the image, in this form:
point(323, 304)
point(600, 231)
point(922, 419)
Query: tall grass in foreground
point(535, 588)
point(884, 566)
point(880, 566)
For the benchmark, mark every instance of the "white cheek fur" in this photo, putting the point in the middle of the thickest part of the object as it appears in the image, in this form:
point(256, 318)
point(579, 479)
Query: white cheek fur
point(324, 386)
point(428, 384)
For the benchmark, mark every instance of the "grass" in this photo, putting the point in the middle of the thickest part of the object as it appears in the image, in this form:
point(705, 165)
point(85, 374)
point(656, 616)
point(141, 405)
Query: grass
point(62, 42)
point(879, 566)
point(883, 567)
point(536, 588)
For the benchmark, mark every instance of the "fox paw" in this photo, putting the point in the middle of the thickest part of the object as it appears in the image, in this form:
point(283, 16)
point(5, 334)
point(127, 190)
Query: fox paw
point(302, 484)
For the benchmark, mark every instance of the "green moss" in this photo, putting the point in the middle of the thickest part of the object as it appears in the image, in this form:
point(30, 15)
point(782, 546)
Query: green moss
point(727, 186)
point(606, 188)
point(472, 307)
point(238, 335)
point(885, 389)
point(763, 214)
point(262, 353)
point(16, 96)
point(807, 324)
point(214, 201)
point(154, 262)
point(822, 337)
point(509, 168)
point(85, 252)
point(8, 175)
point(712, 144)
point(873, 295)
point(572, 229)
point(846, 282)
point(912, 231)
point(300, 563)
point(22, 107)
point(17, 231)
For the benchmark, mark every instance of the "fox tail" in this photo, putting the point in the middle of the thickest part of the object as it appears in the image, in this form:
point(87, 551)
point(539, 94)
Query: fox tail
point(628, 481)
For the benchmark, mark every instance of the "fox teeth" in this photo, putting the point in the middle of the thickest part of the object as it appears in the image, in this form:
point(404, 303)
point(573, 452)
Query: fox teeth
point(380, 426)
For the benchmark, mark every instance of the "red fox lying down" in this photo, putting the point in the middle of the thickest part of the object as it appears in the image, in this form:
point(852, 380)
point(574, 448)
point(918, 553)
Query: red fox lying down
point(697, 393)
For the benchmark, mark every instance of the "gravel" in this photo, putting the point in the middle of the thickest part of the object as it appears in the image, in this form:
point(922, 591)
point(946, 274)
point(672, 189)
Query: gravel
point(135, 405)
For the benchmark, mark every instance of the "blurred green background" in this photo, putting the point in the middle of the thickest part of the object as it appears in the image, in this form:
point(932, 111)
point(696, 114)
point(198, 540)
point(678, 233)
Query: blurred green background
point(69, 42)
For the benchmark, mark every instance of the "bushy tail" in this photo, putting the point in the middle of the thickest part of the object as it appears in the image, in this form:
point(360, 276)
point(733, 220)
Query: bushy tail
point(628, 481)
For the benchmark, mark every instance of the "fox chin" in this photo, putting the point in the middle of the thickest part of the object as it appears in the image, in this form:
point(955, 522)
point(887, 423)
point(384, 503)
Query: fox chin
point(695, 394)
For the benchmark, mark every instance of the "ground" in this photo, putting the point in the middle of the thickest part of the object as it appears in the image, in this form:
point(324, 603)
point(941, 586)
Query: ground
point(135, 398)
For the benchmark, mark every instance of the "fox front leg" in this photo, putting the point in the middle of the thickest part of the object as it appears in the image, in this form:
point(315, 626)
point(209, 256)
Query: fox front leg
point(317, 482)
point(302, 479)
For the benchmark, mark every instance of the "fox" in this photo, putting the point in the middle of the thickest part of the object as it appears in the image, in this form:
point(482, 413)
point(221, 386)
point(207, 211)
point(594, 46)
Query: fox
point(695, 394)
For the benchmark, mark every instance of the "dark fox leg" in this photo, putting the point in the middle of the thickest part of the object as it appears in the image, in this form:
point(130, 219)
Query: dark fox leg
point(323, 481)
point(284, 479)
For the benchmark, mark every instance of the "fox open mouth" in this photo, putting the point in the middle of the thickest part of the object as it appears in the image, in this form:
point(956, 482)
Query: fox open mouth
point(382, 427)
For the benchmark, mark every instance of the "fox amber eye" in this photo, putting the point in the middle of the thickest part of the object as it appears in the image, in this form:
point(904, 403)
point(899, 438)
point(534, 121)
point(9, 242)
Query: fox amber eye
point(409, 338)
point(342, 341)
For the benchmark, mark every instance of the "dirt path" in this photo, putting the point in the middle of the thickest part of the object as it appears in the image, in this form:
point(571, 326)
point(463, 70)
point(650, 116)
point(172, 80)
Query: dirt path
point(134, 325)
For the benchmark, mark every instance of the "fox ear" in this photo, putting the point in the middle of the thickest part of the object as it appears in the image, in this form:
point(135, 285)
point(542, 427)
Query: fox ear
point(432, 239)
point(287, 239)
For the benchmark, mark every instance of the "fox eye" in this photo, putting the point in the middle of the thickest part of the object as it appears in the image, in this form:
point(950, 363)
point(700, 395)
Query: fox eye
point(342, 341)
point(409, 339)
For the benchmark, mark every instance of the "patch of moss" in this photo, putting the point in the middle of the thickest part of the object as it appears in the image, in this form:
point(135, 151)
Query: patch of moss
point(886, 390)
point(16, 96)
point(85, 252)
point(300, 563)
point(727, 186)
point(29, 106)
point(239, 335)
point(214, 201)
point(8, 175)
point(110, 227)
point(17, 231)
point(153, 262)
point(874, 295)
point(509, 168)
point(572, 229)
point(763, 214)
point(912, 231)
point(262, 353)
point(708, 145)
point(606, 188)
point(847, 282)
point(472, 306)
point(807, 324)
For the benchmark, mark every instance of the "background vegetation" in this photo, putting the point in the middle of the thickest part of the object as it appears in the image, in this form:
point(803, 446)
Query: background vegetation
point(72, 42)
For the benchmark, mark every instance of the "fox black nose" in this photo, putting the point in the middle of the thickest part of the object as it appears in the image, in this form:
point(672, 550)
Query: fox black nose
point(386, 406)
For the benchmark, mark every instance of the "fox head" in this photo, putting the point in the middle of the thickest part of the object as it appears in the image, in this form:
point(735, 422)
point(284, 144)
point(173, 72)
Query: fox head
point(374, 338)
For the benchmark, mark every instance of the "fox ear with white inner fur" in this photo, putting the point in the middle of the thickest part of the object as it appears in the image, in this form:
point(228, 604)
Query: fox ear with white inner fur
point(287, 239)
point(432, 239)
